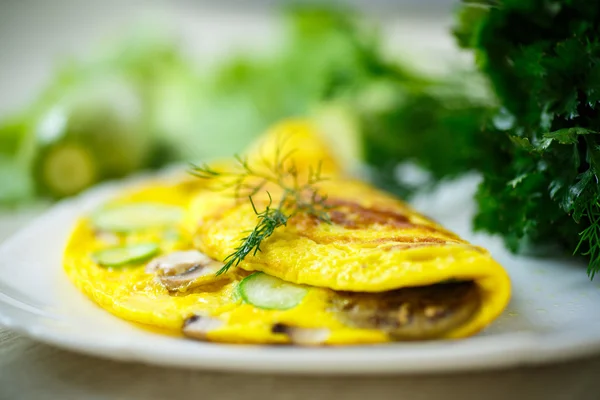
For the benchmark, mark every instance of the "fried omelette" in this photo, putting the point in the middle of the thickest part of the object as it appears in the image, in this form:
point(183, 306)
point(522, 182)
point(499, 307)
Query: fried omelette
point(376, 272)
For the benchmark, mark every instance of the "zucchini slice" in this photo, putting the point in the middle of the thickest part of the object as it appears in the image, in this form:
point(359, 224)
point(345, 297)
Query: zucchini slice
point(270, 293)
point(64, 169)
point(125, 255)
point(136, 217)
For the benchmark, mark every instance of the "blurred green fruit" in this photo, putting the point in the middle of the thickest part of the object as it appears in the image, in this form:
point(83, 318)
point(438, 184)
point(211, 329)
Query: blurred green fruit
point(95, 131)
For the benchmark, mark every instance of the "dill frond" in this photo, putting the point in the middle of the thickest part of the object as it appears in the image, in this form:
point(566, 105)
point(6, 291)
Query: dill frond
point(297, 196)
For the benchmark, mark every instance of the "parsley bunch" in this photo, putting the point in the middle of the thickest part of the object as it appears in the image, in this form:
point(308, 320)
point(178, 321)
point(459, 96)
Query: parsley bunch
point(542, 58)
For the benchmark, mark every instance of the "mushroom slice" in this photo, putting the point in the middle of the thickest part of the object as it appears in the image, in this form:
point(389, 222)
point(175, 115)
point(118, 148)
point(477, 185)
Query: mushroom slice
point(302, 336)
point(178, 262)
point(198, 326)
point(182, 270)
point(416, 313)
point(107, 237)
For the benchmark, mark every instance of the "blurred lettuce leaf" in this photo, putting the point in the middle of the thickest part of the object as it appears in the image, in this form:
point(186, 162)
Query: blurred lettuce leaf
point(141, 103)
point(331, 66)
point(107, 106)
point(14, 181)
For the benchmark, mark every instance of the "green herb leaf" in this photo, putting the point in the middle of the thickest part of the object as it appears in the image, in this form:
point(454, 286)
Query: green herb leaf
point(542, 58)
point(568, 135)
point(296, 197)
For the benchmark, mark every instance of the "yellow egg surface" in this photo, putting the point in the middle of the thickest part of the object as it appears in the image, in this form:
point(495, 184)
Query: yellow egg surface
point(132, 294)
point(374, 243)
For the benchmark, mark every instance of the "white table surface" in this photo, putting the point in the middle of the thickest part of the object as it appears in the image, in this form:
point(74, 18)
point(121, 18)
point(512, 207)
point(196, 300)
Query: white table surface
point(31, 370)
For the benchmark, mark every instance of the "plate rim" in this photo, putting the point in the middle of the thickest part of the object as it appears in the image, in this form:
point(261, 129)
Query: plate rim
point(485, 353)
point(501, 351)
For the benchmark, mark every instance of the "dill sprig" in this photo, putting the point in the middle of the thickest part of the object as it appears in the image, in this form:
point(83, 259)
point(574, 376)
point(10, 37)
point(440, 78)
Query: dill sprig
point(297, 197)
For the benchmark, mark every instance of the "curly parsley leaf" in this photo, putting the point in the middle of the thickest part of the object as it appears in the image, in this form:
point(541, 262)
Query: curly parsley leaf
point(543, 60)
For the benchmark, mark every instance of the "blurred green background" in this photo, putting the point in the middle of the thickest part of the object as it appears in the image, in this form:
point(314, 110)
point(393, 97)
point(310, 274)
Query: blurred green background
point(383, 79)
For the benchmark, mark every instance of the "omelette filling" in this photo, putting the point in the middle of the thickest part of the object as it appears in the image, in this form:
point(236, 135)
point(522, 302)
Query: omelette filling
point(419, 313)
point(414, 313)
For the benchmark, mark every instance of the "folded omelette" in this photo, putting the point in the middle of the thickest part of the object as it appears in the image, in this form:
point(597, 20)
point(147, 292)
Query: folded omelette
point(375, 271)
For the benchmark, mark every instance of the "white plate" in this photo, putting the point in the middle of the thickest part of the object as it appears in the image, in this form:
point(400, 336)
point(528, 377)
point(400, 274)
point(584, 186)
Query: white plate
point(554, 313)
